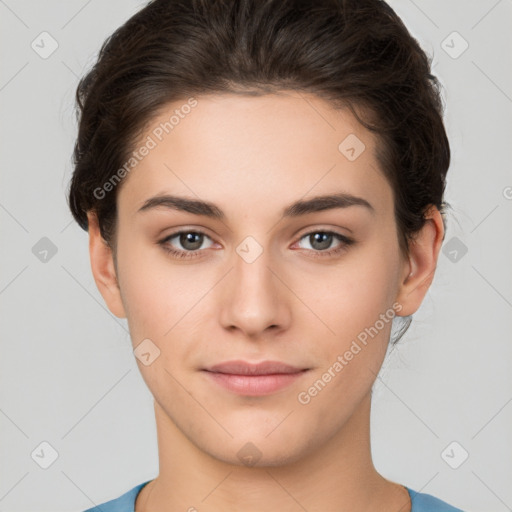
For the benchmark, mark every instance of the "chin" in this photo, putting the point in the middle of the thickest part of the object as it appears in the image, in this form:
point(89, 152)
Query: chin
point(257, 451)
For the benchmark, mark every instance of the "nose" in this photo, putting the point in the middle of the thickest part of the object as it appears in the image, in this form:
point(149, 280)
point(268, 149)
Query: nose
point(254, 299)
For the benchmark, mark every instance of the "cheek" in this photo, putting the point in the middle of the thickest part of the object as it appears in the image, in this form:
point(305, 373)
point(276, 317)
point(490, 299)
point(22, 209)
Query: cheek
point(354, 295)
point(356, 304)
point(357, 307)
point(156, 293)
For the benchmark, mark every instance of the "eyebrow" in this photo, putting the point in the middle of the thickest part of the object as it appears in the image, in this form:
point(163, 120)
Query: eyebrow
point(296, 209)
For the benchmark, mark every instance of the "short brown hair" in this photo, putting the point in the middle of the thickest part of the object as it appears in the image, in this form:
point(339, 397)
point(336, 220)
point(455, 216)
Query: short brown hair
point(353, 53)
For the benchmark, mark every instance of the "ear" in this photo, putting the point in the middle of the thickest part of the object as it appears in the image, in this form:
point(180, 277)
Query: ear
point(103, 268)
point(419, 271)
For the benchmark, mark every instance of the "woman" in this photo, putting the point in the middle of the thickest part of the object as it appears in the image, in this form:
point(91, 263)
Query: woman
point(262, 183)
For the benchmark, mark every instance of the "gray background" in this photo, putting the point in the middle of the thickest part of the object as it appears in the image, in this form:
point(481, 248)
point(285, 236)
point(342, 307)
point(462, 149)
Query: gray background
point(68, 375)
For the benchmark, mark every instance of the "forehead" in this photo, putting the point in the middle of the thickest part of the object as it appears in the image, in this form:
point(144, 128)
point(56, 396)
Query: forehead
point(267, 150)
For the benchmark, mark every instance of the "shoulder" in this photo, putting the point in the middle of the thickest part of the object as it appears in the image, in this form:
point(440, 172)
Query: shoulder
point(125, 502)
point(422, 502)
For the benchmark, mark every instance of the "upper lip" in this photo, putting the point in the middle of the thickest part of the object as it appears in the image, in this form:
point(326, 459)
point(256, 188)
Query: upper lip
point(245, 368)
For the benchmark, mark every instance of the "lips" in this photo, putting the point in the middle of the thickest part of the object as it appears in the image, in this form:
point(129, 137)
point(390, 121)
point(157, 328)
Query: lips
point(254, 379)
point(240, 367)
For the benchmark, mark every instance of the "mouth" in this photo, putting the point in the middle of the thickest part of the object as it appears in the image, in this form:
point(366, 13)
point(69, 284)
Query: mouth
point(251, 379)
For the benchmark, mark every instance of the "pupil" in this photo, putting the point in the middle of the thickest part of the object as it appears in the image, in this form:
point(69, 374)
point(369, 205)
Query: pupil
point(188, 238)
point(325, 243)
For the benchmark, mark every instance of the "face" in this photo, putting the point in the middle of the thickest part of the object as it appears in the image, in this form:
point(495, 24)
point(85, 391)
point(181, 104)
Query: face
point(249, 278)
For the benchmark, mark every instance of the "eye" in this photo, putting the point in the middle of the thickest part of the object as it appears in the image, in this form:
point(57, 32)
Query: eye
point(321, 240)
point(191, 241)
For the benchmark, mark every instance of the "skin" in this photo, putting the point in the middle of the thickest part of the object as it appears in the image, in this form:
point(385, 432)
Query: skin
point(252, 157)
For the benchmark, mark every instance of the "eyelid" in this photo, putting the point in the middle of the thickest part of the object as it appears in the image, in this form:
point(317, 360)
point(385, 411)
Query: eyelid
point(180, 231)
point(313, 229)
point(345, 243)
point(318, 228)
point(325, 228)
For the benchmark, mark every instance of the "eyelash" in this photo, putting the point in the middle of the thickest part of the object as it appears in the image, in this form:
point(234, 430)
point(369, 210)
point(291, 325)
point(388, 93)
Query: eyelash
point(346, 242)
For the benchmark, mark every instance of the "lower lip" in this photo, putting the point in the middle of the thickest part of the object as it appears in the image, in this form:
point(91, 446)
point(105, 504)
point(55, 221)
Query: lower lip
point(255, 385)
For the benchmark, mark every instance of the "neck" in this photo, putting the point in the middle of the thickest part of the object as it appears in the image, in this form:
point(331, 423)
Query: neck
point(339, 476)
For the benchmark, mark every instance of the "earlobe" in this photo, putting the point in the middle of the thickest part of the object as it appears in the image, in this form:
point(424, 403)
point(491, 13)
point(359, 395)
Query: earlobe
point(419, 272)
point(103, 268)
